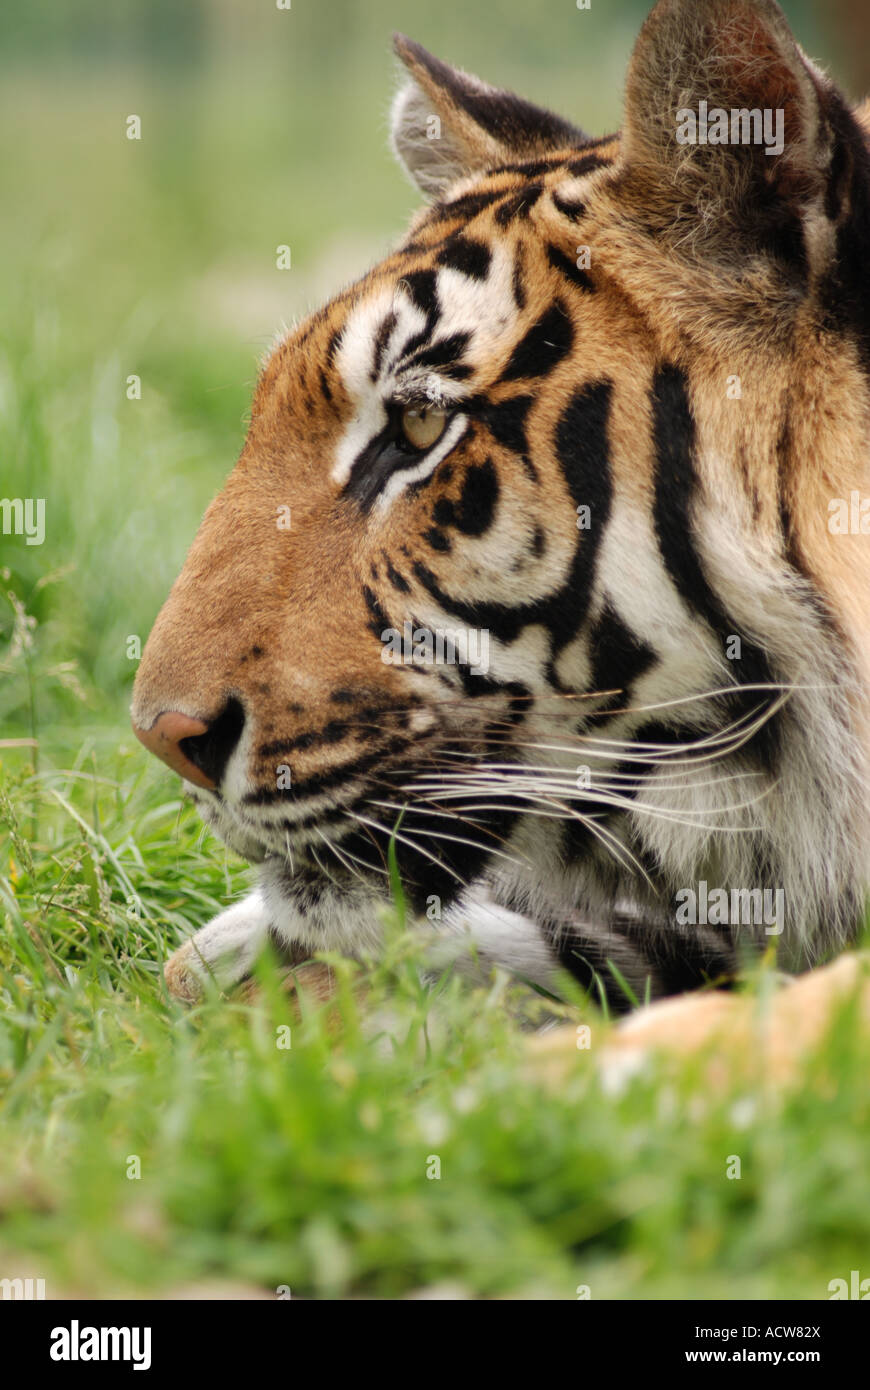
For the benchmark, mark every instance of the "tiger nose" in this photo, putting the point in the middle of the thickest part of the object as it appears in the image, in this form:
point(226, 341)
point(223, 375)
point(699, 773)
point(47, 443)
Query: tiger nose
point(197, 750)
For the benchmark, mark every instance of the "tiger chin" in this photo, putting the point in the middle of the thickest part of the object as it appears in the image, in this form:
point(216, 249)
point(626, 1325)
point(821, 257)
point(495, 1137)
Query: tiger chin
point(599, 405)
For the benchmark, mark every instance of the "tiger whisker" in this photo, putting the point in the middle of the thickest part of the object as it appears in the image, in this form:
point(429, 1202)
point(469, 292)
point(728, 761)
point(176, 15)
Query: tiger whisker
point(450, 813)
point(289, 851)
point(322, 868)
point(418, 849)
point(562, 812)
point(654, 754)
point(340, 856)
point(457, 839)
point(451, 786)
point(654, 812)
point(606, 782)
point(714, 746)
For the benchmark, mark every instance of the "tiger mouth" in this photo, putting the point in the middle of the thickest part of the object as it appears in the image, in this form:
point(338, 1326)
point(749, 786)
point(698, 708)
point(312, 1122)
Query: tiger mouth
point(247, 836)
point(315, 846)
point(437, 849)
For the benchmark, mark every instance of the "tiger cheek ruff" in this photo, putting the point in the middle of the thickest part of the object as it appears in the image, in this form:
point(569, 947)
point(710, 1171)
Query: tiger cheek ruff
point(538, 564)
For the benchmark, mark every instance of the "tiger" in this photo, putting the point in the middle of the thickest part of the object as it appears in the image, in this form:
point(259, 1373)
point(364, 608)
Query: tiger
point(541, 586)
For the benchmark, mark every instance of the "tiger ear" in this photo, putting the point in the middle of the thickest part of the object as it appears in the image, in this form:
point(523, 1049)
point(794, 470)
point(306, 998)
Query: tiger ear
point(446, 124)
point(704, 177)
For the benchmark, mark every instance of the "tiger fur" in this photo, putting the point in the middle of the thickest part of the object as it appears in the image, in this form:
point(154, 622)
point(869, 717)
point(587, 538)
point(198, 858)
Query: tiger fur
point(644, 369)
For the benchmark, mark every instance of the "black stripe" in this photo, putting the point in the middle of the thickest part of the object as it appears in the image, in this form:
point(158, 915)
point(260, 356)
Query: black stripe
point(371, 718)
point(378, 619)
point(506, 420)
point(397, 580)
point(675, 488)
point(570, 269)
point(332, 346)
point(543, 347)
point(569, 207)
point(381, 339)
point(437, 539)
point(587, 163)
point(618, 657)
point(518, 282)
point(473, 512)
point(684, 958)
point(478, 499)
point(518, 204)
point(325, 781)
point(335, 815)
point(672, 961)
point(469, 257)
point(582, 448)
point(585, 957)
point(530, 170)
point(584, 960)
point(443, 355)
point(504, 622)
point(422, 289)
point(466, 207)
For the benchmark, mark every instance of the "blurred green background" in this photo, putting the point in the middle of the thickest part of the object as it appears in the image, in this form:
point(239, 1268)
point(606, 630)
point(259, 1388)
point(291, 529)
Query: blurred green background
point(156, 258)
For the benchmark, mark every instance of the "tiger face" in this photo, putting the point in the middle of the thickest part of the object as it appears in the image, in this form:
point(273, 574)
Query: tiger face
point(525, 571)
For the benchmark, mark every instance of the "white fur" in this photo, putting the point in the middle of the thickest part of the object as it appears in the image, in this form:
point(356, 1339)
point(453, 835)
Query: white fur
point(226, 948)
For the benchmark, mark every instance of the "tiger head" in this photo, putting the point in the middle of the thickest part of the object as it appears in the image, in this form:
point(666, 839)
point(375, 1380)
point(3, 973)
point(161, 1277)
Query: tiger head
point(527, 568)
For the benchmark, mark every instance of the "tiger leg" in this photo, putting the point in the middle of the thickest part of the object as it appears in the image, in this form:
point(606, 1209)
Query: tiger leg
point(224, 950)
point(620, 959)
point(299, 914)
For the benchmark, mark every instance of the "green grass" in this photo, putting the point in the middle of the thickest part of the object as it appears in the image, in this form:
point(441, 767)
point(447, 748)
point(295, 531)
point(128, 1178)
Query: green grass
point(307, 1166)
point(304, 1166)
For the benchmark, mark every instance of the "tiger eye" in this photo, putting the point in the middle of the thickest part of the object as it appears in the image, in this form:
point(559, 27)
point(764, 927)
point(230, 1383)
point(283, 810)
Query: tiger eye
point(423, 425)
